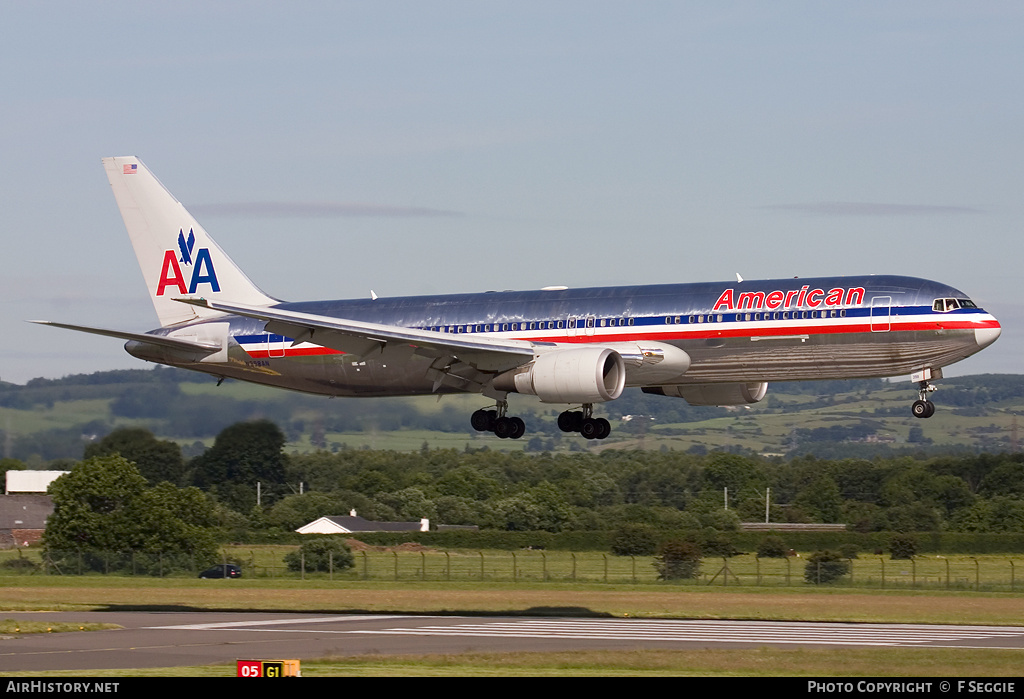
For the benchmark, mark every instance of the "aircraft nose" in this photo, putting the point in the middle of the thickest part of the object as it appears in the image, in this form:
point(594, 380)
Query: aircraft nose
point(986, 336)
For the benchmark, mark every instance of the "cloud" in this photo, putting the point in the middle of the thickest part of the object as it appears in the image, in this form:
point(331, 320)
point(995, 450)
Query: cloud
point(284, 209)
point(856, 208)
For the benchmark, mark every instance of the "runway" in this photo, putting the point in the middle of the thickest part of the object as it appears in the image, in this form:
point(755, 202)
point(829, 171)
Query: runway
point(155, 639)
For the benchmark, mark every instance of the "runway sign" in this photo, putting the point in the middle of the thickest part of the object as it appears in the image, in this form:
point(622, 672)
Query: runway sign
point(269, 668)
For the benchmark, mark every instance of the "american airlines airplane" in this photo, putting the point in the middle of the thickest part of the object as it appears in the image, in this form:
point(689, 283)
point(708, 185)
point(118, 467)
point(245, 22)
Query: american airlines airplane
point(715, 343)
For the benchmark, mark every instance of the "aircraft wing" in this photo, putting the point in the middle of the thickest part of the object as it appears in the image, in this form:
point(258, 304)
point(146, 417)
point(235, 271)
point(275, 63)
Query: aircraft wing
point(362, 339)
point(158, 340)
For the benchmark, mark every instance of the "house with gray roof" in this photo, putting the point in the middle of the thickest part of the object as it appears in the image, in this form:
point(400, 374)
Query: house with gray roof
point(354, 524)
point(23, 519)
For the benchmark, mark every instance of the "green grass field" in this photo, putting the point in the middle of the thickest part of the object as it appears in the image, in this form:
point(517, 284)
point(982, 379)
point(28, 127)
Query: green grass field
point(758, 662)
point(985, 573)
point(766, 427)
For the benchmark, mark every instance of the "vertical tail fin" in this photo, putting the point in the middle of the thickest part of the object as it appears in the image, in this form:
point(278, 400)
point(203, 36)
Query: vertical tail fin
point(177, 256)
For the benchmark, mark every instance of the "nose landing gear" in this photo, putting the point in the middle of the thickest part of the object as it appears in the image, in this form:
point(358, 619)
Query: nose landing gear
point(923, 407)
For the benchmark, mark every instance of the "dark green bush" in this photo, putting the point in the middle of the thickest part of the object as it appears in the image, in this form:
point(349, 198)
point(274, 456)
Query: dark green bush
point(320, 554)
point(678, 560)
point(718, 545)
point(772, 547)
point(634, 540)
point(21, 564)
point(902, 546)
point(849, 550)
point(825, 567)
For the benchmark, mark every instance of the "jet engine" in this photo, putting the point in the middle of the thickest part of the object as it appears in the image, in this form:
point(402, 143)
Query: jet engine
point(584, 375)
point(714, 393)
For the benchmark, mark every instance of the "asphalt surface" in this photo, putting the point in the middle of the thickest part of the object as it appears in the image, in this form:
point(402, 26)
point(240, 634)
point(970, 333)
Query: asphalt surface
point(169, 639)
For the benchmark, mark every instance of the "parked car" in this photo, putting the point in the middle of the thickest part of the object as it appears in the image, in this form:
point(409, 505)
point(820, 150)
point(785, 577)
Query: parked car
point(224, 570)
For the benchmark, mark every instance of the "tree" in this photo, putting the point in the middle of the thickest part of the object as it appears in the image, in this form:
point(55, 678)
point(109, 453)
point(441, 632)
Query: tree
point(156, 460)
point(103, 506)
point(821, 498)
point(243, 455)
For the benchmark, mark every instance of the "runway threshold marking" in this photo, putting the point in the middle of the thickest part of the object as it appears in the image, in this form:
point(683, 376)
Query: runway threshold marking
point(666, 630)
point(242, 625)
point(722, 632)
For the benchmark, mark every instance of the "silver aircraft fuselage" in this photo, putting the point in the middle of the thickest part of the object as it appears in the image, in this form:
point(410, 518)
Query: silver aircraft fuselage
point(775, 330)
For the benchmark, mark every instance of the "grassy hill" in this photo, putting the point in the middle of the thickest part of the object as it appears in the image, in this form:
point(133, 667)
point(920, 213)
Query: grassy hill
point(52, 419)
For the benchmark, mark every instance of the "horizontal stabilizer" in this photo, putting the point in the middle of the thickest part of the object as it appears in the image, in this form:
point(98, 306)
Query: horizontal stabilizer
point(158, 340)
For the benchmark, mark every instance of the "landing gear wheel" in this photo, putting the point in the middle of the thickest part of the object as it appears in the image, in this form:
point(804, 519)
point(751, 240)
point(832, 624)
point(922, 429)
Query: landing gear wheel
point(585, 423)
point(923, 408)
point(518, 427)
point(483, 420)
point(570, 421)
point(503, 428)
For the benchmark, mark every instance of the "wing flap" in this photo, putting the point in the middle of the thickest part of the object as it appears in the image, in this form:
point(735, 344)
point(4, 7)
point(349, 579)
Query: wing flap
point(363, 339)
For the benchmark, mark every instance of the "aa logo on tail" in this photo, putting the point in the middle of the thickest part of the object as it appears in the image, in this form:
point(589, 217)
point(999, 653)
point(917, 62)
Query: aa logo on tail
point(202, 267)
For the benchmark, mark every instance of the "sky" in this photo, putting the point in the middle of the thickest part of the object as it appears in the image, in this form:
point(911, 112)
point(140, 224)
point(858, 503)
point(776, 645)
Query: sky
point(411, 148)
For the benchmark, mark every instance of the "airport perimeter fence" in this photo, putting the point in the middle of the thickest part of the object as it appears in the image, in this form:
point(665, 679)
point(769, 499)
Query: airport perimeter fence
point(981, 573)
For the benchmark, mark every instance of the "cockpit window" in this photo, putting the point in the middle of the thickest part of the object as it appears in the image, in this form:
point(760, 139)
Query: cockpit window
point(944, 305)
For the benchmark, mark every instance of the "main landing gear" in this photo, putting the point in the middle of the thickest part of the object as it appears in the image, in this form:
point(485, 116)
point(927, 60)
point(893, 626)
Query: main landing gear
point(496, 421)
point(923, 407)
point(505, 427)
point(585, 423)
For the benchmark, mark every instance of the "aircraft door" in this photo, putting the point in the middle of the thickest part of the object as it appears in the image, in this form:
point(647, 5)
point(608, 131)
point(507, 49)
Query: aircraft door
point(273, 345)
point(570, 326)
point(881, 312)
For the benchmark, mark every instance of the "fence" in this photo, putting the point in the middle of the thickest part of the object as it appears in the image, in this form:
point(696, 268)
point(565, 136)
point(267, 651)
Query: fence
point(988, 573)
point(981, 573)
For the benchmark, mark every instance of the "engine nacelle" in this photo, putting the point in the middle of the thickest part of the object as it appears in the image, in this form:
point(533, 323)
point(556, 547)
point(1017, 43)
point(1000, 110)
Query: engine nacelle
point(714, 393)
point(584, 375)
